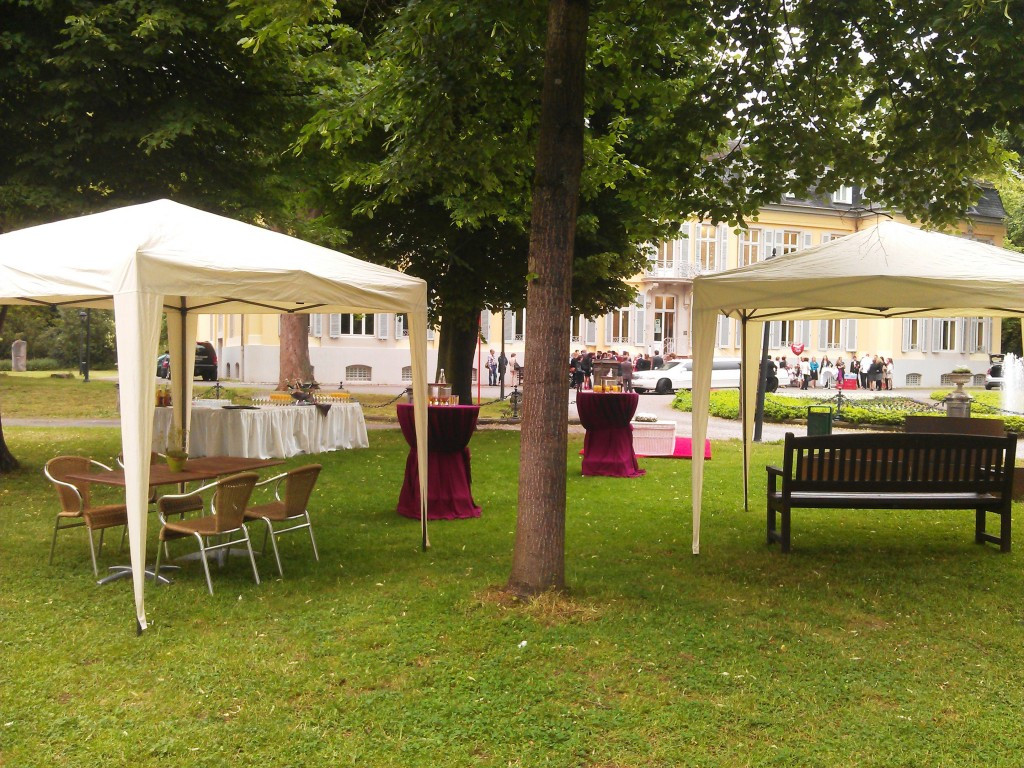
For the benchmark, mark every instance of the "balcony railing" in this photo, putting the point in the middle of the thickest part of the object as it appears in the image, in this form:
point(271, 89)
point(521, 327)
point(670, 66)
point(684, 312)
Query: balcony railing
point(677, 270)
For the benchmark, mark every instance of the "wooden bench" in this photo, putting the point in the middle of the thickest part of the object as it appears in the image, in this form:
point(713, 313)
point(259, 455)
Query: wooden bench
point(885, 470)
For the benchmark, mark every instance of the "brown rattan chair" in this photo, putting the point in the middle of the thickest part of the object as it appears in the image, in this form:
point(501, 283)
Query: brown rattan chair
point(76, 507)
point(227, 507)
point(298, 486)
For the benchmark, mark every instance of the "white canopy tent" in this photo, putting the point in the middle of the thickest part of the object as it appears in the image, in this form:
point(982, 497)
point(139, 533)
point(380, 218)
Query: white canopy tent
point(899, 270)
point(163, 257)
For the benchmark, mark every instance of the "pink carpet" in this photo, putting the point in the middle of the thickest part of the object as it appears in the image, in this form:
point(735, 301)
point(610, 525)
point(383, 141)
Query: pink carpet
point(684, 450)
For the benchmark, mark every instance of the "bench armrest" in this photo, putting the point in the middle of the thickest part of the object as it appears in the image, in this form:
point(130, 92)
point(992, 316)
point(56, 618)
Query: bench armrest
point(774, 473)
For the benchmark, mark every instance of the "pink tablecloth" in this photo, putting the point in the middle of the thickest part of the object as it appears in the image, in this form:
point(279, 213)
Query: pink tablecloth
point(608, 444)
point(449, 481)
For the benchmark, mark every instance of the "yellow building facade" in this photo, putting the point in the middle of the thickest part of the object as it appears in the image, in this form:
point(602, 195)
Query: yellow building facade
point(373, 349)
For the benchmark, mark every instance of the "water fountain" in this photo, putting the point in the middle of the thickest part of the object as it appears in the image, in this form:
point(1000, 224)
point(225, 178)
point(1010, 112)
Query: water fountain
point(1013, 384)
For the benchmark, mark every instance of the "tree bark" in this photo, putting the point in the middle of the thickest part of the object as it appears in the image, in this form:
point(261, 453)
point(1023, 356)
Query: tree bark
point(7, 461)
point(538, 562)
point(294, 350)
point(456, 351)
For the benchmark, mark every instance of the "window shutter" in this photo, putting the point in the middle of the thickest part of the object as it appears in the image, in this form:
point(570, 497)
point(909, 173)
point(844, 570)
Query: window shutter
point(769, 243)
point(691, 244)
point(638, 325)
point(608, 329)
point(381, 320)
point(826, 238)
point(937, 334)
point(591, 333)
point(723, 331)
point(906, 335)
point(972, 334)
point(508, 321)
point(807, 239)
point(485, 325)
point(720, 247)
point(334, 325)
point(775, 334)
point(849, 333)
point(988, 334)
point(922, 334)
point(823, 334)
point(316, 325)
point(961, 334)
point(399, 326)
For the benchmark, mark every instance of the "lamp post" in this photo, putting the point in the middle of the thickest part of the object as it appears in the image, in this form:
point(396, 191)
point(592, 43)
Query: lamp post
point(85, 315)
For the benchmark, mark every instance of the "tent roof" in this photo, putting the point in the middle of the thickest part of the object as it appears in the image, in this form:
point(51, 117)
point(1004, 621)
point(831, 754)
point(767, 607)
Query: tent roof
point(888, 270)
point(170, 249)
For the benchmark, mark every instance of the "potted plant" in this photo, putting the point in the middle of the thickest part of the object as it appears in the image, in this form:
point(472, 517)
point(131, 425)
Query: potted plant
point(177, 449)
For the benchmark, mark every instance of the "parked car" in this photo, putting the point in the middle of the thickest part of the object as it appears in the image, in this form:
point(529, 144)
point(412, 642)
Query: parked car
point(206, 363)
point(994, 376)
point(678, 374)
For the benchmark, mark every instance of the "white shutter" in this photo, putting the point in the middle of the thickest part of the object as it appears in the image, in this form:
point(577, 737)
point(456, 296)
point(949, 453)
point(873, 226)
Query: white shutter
point(988, 335)
point(972, 334)
point(823, 334)
point(723, 331)
point(334, 325)
point(608, 330)
point(961, 332)
point(638, 325)
point(485, 325)
point(316, 325)
point(508, 322)
point(769, 243)
point(399, 327)
point(906, 334)
point(826, 237)
point(720, 248)
point(937, 334)
point(802, 331)
point(591, 333)
point(806, 239)
point(691, 244)
point(848, 331)
point(381, 321)
point(775, 334)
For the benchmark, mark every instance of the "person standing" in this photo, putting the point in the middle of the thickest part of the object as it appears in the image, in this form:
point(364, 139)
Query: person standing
point(502, 367)
point(890, 372)
point(814, 372)
point(855, 370)
point(492, 369)
point(657, 361)
point(865, 370)
point(805, 373)
point(626, 372)
point(587, 368)
point(840, 373)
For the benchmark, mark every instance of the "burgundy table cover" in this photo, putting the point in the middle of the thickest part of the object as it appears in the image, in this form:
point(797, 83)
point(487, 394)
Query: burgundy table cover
point(449, 495)
point(608, 444)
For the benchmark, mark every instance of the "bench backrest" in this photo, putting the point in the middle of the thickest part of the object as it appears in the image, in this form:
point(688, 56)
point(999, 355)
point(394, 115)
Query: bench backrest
point(959, 425)
point(885, 461)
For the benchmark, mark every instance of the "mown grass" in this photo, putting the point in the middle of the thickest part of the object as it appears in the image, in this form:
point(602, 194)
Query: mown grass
point(884, 639)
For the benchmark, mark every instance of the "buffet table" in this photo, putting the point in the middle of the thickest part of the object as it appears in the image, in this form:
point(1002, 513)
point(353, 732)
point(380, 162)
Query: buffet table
point(608, 444)
point(449, 479)
point(271, 432)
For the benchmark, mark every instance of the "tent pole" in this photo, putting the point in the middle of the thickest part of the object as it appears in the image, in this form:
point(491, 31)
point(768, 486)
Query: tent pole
point(182, 382)
point(743, 409)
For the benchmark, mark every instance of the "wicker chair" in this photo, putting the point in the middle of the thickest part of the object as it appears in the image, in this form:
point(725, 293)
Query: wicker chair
point(227, 507)
point(298, 486)
point(76, 507)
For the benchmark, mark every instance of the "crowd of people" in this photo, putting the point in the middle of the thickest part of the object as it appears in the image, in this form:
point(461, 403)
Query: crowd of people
point(581, 366)
point(871, 372)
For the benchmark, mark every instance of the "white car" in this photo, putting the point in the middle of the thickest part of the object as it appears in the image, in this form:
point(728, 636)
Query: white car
point(678, 374)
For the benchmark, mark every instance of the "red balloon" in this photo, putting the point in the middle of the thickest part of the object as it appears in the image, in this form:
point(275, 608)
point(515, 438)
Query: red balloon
point(797, 348)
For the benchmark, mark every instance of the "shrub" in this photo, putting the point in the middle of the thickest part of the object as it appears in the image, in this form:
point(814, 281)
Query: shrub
point(37, 364)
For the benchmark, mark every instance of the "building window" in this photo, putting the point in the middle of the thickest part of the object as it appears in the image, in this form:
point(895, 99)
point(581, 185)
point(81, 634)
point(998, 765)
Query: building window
point(356, 325)
point(707, 247)
point(751, 246)
point(519, 325)
point(946, 336)
point(401, 325)
point(913, 379)
point(407, 373)
point(915, 334)
point(577, 329)
point(789, 241)
point(833, 335)
point(618, 326)
point(358, 372)
point(843, 195)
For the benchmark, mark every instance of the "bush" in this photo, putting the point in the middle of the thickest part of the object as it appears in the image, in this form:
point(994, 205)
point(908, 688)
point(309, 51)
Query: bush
point(37, 364)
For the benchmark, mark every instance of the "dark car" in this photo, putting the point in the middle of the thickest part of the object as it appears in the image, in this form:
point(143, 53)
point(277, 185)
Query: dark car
point(994, 377)
point(206, 363)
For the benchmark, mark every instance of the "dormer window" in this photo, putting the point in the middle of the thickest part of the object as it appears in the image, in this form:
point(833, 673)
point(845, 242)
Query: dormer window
point(843, 195)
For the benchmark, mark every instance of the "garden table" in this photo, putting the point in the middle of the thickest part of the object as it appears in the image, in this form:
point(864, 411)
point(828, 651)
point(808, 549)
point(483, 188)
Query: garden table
point(449, 479)
point(608, 443)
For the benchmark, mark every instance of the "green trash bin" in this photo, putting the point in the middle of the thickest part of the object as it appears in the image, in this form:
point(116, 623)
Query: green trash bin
point(819, 420)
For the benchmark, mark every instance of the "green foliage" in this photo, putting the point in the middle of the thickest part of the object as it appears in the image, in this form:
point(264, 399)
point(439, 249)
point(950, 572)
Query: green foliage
point(60, 334)
point(36, 364)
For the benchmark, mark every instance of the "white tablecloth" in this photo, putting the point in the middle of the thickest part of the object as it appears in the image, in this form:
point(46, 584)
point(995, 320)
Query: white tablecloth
point(274, 432)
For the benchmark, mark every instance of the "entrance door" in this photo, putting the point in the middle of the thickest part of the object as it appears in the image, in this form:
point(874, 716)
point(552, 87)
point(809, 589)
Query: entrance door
point(664, 322)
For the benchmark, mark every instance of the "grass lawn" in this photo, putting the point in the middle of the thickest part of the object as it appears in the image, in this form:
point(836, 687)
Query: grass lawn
point(884, 639)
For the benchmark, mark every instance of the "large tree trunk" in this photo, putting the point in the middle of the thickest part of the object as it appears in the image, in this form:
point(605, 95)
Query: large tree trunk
point(294, 350)
point(456, 351)
point(538, 562)
point(7, 461)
